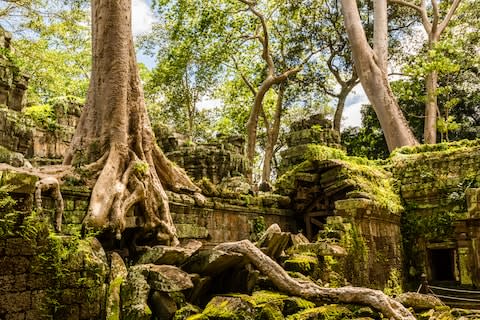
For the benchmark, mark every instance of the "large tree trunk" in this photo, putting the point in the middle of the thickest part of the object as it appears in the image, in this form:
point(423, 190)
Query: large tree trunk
point(309, 290)
point(375, 81)
point(380, 34)
point(114, 138)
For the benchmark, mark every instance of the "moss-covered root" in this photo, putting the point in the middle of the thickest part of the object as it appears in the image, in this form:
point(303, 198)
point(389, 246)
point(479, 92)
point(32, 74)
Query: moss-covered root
point(52, 185)
point(311, 291)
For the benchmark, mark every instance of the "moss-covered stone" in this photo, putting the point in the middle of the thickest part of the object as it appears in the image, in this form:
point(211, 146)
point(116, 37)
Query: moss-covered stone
point(328, 312)
point(303, 263)
point(18, 182)
point(186, 312)
point(230, 308)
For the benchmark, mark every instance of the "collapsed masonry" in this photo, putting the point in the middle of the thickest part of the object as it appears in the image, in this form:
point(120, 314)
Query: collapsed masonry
point(429, 197)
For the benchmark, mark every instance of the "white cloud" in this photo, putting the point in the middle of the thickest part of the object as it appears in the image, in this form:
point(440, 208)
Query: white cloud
point(142, 17)
point(351, 115)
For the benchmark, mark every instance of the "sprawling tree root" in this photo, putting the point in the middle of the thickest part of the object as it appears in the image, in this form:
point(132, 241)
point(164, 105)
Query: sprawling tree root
point(309, 290)
point(51, 185)
point(114, 140)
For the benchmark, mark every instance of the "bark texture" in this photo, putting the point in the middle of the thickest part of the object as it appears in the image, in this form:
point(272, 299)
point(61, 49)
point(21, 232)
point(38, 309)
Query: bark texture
point(309, 290)
point(114, 140)
point(373, 77)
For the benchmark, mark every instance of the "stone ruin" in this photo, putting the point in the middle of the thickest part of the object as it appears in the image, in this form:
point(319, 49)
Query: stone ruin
point(314, 130)
point(13, 83)
point(352, 213)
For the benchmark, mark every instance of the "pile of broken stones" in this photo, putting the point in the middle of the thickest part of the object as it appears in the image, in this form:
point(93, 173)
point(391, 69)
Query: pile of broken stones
point(195, 283)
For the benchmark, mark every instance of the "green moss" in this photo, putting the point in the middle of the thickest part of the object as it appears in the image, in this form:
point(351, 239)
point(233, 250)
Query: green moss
point(186, 312)
point(208, 188)
point(328, 312)
point(198, 317)
point(221, 310)
point(356, 261)
point(293, 305)
point(366, 176)
point(444, 147)
point(301, 263)
point(394, 283)
point(114, 307)
point(264, 296)
point(269, 311)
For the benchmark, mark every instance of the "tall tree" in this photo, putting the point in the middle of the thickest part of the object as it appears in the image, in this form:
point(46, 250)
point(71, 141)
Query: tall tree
point(371, 71)
point(434, 28)
point(271, 79)
point(114, 138)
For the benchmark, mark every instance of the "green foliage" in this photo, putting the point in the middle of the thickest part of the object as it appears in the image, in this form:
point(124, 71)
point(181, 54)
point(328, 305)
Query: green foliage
point(327, 312)
point(52, 46)
point(8, 217)
point(367, 141)
point(43, 116)
point(258, 227)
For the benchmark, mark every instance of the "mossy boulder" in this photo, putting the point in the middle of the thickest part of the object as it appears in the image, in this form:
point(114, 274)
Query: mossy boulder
point(186, 312)
point(134, 295)
point(303, 263)
point(293, 305)
point(419, 301)
point(229, 308)
point(328, 312)
point(14, 159)
point(18, 182)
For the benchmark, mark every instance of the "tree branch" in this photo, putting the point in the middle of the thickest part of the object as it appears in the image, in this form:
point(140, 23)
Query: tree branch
point(449, 15)
point(420, 9)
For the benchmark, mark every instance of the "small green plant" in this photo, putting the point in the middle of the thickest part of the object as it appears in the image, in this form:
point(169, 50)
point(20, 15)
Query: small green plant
point(394, 284)
point(140, 167)
point(258, 227)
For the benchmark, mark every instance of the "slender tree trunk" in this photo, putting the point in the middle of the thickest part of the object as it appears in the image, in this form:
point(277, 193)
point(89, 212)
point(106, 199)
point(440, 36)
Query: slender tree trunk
point(342, 98)
point(272, 136)
point(431, 108)
point(252, 123)
point(434, 27)
point(114, 139)
point(431, 103)
point(375, 82)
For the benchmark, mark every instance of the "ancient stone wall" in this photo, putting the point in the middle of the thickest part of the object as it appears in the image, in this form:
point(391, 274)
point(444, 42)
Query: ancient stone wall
point(440, 226)
point(215, 160)
point(380, 260)
point(314, 130)
point(45, 276)
point(13, 83)
point(42, 145)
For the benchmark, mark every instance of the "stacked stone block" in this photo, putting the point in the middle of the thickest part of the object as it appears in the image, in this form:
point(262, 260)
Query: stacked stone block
point(314, 130)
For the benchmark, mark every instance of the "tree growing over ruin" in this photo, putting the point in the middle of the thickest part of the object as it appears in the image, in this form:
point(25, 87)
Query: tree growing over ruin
point(370, 65)
point(114, 140)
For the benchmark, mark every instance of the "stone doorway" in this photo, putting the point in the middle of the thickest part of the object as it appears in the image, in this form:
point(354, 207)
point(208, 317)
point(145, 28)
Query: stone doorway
point(442, 265)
